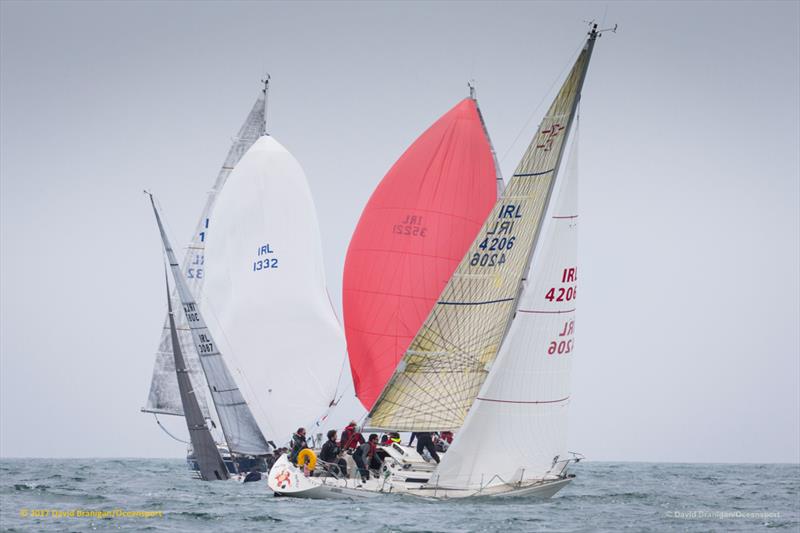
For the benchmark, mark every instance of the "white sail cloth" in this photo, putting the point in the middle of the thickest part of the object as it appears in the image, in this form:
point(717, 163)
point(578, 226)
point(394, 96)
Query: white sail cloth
point(164, 397)
point(265, 294)
point(518, 425)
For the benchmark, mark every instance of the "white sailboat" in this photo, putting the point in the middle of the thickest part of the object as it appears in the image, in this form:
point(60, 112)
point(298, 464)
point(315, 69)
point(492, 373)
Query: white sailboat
point(265, 293)
point(492, 360)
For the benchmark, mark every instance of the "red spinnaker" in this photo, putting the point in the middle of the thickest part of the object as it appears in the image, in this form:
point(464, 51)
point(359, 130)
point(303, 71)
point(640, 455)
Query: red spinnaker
point(416, 227)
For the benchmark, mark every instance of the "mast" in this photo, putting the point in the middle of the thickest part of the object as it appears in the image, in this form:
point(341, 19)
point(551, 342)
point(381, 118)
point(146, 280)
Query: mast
point(210, 463)
point(240, 429)
point(265, 91)
point(501, 185)
point(589, 48)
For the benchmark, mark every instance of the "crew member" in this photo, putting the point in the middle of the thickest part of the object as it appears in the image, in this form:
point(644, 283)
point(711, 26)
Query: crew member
point(425, 442)
point(330, 455)
point(351, 438)
point(298, 444)
point(366, 458)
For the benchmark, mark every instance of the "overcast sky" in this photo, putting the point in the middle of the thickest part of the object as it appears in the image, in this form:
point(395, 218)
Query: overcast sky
point(688, 342)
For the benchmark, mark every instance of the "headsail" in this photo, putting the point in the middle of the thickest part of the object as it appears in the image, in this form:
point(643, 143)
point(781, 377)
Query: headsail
point(414, 230)
point(266, 295)
point(445, 366)
point(205, 449)
point(238, 425)
point(164, 397)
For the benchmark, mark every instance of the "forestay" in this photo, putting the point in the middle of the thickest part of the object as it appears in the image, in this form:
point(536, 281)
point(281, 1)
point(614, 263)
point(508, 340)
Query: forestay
point(516, 429)
point(446, 364)
point(164, 397)
point(265, 292)
point(238, 425)
point(414, 230)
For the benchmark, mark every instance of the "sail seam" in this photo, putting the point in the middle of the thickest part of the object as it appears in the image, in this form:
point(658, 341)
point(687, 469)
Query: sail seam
point(546, 312)
point(534, 174)
point(522, 401)
point(476, 303)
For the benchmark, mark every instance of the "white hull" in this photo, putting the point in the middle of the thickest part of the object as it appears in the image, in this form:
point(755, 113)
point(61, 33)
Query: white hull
point(538, 490)
point(285, 479)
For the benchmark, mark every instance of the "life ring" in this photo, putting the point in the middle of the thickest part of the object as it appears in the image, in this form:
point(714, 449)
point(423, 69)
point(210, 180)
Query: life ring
point(307, 455)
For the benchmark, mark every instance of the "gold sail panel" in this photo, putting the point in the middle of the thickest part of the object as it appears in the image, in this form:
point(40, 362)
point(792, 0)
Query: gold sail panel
point(443, 369)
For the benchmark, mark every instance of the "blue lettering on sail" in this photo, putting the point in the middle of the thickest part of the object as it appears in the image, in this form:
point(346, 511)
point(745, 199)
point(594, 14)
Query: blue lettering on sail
point(263, 261)
point(499, 239)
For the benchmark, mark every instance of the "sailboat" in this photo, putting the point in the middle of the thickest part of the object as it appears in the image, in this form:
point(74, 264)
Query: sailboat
point(164, 397)
point(413, 232)
point(266, 296)
point(242, 434)
point(492, 359)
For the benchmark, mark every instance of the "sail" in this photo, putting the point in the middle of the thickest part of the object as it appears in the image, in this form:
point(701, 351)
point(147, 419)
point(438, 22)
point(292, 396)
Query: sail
point(265, 292)
point(164, 397)
point(205, 449)
point(447, 362)
point(412, 234)
point(240, 429)
point(522, 407)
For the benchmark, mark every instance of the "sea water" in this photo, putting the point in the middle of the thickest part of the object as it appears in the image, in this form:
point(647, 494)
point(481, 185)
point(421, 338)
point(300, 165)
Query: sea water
point(161, 495)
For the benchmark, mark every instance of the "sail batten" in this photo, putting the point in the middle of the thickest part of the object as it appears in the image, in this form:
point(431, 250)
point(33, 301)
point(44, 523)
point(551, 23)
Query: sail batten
point(429, 393)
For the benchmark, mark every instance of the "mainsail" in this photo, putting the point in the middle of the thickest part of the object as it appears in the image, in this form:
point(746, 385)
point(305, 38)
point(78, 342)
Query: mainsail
point(522, 406)
point(265, 292)
point(448, 361)
point(241, 431)
point(205, 449)
point(413, 232)
point(164, 397)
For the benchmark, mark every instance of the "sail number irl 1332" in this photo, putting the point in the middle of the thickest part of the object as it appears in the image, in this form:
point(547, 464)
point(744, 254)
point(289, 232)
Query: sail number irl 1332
point(264, 262)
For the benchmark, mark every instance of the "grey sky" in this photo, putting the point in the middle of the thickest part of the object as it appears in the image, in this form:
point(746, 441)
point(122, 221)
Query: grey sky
point(688, 343)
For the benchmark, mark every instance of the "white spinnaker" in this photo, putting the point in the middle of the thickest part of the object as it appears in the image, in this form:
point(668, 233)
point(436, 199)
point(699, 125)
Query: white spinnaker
point(265, 293)
point(518, 424)
point(164, 397)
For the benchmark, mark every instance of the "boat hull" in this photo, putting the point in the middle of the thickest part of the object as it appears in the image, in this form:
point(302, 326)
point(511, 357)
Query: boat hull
point(538, 490)
point(285, 479)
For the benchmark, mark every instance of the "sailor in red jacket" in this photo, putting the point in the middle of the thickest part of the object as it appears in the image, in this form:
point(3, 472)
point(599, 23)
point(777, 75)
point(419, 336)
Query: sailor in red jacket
point(351, 438)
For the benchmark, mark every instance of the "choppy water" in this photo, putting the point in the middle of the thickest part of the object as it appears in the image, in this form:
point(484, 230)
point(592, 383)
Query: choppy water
point(604, 496)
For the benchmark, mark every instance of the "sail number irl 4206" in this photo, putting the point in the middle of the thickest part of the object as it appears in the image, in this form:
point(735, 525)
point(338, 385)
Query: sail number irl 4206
point(565, 293)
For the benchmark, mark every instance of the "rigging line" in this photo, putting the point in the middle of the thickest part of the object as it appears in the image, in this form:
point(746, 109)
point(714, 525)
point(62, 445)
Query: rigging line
point(344, 356)
point(544, 98)
point(165, 430)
